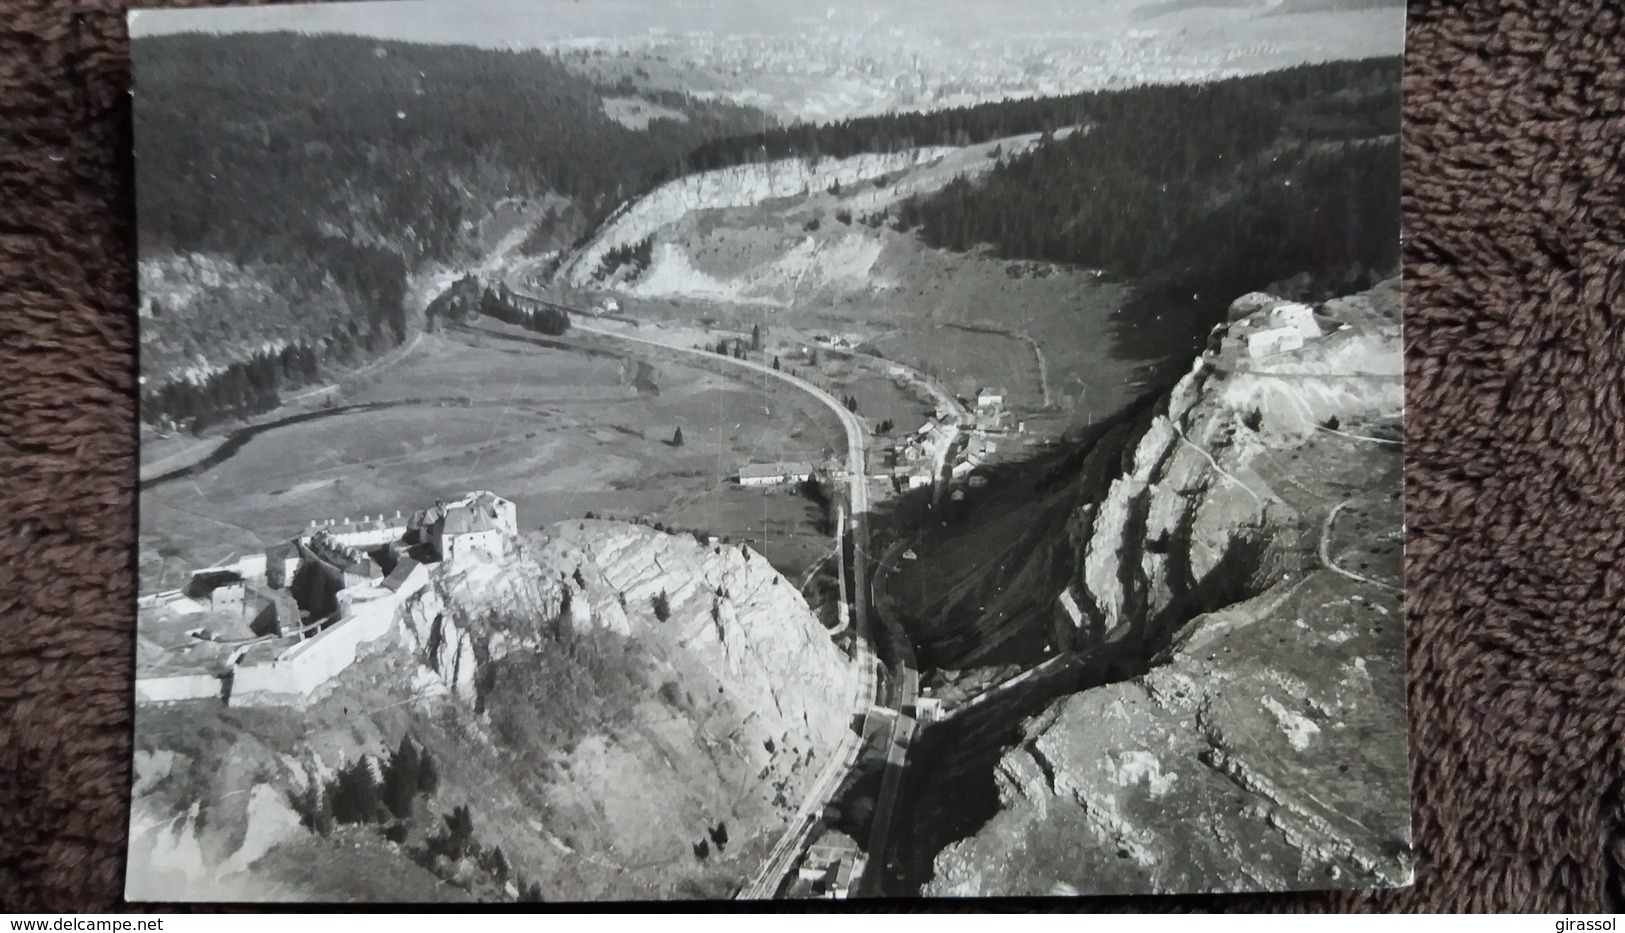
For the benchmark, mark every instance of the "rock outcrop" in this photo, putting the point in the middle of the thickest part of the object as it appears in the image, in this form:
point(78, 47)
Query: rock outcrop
point(1244, 562)
point(478, 613)
point(733, 613)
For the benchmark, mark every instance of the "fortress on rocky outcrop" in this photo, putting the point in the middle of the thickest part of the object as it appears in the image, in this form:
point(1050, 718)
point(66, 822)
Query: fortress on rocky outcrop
point(272, 628)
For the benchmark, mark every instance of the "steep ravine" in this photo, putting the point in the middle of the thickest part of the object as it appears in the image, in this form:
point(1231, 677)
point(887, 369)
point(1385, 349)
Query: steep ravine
point(1242, 727)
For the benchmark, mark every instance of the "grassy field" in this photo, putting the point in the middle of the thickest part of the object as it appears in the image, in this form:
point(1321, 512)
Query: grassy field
point(559, 431)
point(965, 361)
point(777, 521)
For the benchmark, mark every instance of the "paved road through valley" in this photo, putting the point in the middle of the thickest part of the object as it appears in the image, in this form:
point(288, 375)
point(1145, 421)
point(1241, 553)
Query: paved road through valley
point(782, 858)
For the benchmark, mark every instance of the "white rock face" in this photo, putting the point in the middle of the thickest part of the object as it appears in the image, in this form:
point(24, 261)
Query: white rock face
point(767, 235)
point(442, 623)
point(732, 613)
point(737, 186)
point(1265, 747)
point(735, 614)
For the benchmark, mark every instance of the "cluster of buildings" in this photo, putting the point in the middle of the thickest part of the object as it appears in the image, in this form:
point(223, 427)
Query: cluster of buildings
point(272, 614)
point(951, 441)
point(831, 868)
point(959, 443)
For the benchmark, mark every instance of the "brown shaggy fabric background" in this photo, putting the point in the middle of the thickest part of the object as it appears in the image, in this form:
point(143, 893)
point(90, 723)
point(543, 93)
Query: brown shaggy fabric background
point(1515, 220)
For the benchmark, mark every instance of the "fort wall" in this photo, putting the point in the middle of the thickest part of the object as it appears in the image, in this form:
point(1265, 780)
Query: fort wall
point(175, 688)
point(297, 675)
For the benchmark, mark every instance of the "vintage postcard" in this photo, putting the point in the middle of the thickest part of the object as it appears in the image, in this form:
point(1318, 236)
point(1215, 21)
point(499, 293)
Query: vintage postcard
point(641, 450)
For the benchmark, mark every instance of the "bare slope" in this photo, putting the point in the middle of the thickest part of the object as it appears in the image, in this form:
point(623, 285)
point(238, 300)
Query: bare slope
point(806, 244)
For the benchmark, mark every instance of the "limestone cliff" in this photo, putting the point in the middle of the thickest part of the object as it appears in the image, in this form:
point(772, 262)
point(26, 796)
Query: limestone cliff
point(479, 612)
point(734, 614)
point(1245, 561)
point(727, 609)
point(612, 744)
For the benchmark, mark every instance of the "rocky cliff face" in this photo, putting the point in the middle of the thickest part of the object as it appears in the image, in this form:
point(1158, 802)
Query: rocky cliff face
point(726, 609)
point(610, 742)
point(733, 614)
point(1245, 561)
point(481, 612)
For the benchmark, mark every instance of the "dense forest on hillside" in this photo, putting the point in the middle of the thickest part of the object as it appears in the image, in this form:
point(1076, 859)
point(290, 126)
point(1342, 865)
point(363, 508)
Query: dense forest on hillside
point(262, 145)
point(1201, 193)
point(1196, 193)
point(1377, 82)
point(1295, 169)
point(334, 161)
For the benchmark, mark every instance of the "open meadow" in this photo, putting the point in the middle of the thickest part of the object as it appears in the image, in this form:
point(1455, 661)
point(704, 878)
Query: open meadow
point(561, 430)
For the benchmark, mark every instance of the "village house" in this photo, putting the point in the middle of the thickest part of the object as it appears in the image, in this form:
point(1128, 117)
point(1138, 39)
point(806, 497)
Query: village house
point(989, 397)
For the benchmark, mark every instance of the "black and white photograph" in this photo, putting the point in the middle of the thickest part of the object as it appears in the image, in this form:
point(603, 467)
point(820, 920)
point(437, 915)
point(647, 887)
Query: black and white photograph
point(660, 450)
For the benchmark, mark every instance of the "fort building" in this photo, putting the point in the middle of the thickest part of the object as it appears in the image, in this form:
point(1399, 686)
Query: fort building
point(274, 627)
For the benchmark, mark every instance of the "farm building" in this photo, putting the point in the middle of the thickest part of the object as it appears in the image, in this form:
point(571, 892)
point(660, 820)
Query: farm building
point(988, 396)
point(772, 474)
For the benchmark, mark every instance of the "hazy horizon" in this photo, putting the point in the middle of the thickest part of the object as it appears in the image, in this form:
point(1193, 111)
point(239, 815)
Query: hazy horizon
point(544, 23)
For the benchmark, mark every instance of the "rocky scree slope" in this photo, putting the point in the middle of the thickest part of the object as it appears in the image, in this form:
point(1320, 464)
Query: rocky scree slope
point(1245, 559)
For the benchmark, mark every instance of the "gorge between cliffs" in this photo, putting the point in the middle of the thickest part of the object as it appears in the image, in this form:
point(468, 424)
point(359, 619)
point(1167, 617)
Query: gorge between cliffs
point(1221, 704)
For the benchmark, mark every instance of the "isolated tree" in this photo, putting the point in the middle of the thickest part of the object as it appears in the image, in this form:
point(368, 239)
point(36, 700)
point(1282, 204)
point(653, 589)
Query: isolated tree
point(498, 864)
point(775, 363)
point(314, 805)
point(459, 838)
point(662, 606)
point(428, 774)
point(355, 797)
point(401, 779)
point(677, 438)
point(756, 337)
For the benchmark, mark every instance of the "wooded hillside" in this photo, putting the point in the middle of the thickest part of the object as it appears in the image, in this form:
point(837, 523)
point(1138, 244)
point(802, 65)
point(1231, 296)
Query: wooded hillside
point(341, 164)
